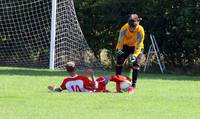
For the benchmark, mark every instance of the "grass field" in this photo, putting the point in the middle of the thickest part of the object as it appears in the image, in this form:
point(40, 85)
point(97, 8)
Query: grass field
point(24, 95)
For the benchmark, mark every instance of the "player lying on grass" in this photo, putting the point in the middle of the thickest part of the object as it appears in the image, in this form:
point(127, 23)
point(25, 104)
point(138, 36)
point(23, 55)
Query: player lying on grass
point(78, 83)
point(122, 83)
point(81, 83)
point(75, 82)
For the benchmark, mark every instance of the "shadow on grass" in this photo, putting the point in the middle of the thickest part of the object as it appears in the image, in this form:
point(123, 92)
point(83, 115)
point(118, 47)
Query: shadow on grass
point(149, 76)
point(35, 72)
point(39, 72)
point(47, 72)
point(32, 72)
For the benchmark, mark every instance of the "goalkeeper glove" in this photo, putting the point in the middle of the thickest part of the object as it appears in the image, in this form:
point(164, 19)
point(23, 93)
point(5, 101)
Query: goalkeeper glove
point(132, 61)
point(119, 52)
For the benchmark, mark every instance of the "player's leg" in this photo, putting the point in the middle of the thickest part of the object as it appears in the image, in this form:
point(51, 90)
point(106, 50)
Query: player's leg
point(118, 89)
point(135, 69)
point(119, 64)
point(102, 82)
point(131, 90)
point(134, 77)
point(121, 58)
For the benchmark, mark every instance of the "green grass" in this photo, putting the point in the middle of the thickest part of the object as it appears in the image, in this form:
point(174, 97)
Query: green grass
point(24, 95)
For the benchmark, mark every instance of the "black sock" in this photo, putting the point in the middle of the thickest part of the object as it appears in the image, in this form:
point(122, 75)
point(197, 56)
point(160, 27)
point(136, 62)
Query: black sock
point(134, 77)
point(118, 70)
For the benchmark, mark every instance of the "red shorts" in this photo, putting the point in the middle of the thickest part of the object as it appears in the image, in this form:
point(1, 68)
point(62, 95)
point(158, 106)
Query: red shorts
point(101, 85)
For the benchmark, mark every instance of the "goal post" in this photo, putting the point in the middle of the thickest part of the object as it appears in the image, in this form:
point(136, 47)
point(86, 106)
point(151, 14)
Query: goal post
point(53, 34)
point(42, 33)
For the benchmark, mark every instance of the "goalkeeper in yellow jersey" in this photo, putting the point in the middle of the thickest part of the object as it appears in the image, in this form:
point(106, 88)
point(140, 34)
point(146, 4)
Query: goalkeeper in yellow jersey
point(130, 44)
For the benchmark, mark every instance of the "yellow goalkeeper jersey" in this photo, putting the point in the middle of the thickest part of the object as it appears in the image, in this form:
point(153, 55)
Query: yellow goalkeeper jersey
point(128, 38)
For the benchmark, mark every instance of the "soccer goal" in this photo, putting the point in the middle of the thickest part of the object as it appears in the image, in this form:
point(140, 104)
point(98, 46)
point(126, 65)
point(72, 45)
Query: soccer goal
point(42, 33)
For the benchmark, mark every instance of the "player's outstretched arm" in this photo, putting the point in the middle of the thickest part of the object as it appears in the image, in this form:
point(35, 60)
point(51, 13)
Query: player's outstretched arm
point(54, 88)
point(90, 72)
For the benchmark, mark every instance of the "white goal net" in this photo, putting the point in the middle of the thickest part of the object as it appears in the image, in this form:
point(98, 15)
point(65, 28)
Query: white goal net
point(25, 31)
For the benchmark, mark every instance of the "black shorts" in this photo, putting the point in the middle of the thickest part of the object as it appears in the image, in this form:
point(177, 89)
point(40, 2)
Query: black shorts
point(127, 51)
